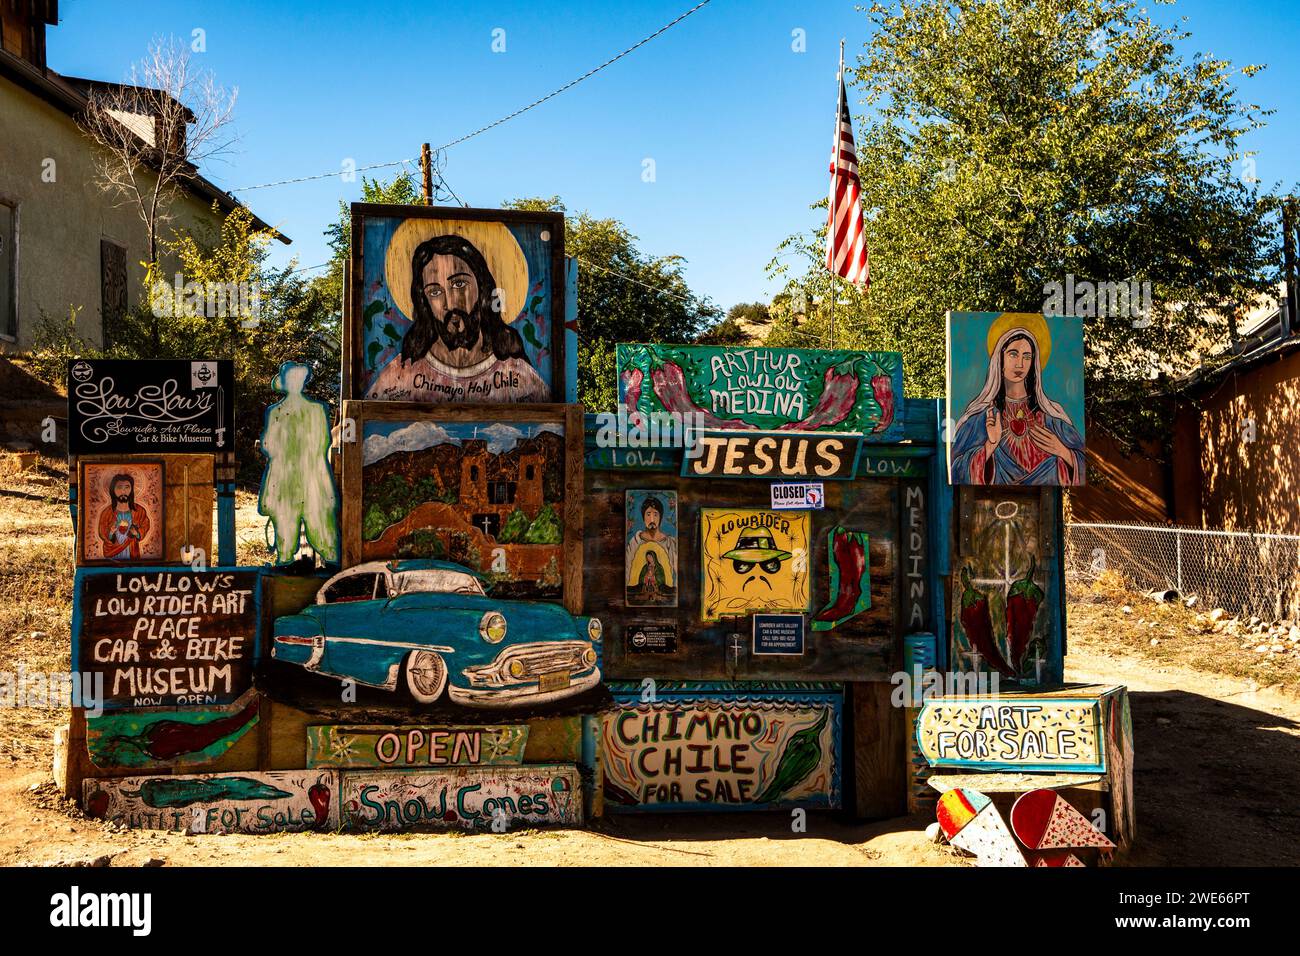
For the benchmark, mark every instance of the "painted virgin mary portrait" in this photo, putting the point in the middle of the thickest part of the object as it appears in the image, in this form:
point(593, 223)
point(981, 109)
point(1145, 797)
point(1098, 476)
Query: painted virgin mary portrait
point(1012, 432)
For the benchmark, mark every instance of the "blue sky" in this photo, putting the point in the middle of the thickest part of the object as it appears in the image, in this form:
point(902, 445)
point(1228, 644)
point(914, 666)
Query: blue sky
point(737, 123)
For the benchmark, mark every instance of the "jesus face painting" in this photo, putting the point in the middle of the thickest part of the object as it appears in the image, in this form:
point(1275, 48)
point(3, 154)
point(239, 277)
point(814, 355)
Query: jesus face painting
point(1012, 432)
point(458, 346)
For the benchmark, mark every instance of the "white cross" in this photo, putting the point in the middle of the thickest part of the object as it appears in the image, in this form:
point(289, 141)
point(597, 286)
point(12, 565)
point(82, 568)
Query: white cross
point(487, 523)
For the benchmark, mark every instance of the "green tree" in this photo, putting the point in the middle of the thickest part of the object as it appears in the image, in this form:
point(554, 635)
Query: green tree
point(231, 305)
point(624, 295)
point(401, 190)
point(1009, 144)
point(731, 330)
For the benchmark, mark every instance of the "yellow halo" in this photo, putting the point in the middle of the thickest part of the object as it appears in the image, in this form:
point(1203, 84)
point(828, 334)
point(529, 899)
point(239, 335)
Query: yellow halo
point(501, 250)
point(1032, 322)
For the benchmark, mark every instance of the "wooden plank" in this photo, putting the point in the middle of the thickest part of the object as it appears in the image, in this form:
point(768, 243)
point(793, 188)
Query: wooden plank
point(350, 746)
point(1007, 782)
point(879, 752)
point(467, 798)
point(1021, 733)
point(247, 802)
point(864, 647)
point(530, 569)
point(723, 751)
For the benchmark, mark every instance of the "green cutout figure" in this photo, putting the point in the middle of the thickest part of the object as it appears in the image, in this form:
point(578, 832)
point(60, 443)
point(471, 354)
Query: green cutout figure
point(298, 485)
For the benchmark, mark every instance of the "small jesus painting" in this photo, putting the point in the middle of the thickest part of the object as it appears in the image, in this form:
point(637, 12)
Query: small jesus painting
point(121, 510)
point(1012, 431)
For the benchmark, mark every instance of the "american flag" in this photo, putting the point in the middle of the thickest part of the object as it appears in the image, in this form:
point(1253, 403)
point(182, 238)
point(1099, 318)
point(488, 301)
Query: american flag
point(846, 245)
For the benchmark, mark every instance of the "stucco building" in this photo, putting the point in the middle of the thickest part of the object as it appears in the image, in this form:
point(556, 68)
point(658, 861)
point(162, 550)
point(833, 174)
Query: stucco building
point(64, 243)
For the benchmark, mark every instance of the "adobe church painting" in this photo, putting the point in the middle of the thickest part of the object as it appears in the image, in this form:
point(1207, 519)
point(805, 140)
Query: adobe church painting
point(488, 495)
point(455, 305)
point(1015, 399)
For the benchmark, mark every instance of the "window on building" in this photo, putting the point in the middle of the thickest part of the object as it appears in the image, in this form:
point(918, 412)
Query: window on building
point(501, 492)
point(8, 270)
point(112, 284)
point(529, 472)
point(473, 472)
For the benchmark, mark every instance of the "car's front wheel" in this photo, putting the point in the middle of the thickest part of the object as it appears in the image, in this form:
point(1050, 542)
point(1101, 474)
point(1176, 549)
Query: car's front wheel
point(426, 676)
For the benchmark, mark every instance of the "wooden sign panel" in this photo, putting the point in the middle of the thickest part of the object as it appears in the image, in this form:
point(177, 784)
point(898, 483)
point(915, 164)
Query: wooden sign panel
point(498, 490)
point(714, 642)
point(122, 512)
point(1021, 733)
point(253, 802)
point(145, 407)
point(163, 637)
point(765, 389)
point(467, 798)
point(1003, 594)
point(415, 746)
point(774, 456)
point(761, 752)
point(455, 305)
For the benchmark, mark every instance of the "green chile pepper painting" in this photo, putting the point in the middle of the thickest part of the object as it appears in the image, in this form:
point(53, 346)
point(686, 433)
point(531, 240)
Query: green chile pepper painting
point(247, 802)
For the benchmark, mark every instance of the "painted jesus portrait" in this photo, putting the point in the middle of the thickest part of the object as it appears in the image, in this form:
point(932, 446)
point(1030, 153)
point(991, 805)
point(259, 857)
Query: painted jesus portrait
point(458, 346)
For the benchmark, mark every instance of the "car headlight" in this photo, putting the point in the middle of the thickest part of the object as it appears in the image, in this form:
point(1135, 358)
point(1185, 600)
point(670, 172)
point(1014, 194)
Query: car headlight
point(517, 668)
point(589, 657)
point(492, 628)
point(595, 629)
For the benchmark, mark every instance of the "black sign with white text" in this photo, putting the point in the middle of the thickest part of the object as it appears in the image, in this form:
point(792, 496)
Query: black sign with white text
point(123, 406)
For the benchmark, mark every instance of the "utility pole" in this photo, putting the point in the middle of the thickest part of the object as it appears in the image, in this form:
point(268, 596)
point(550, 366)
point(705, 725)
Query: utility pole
point(1290, 294)
point(426, 167)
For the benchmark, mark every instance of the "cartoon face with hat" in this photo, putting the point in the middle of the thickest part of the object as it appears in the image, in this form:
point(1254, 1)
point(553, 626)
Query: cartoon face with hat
point(753, 561)
point(756, 548)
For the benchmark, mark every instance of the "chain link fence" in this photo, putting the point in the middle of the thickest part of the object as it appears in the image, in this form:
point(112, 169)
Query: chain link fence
point(1246, 574)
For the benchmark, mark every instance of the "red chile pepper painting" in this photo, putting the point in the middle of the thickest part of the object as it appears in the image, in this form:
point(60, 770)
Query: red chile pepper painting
point(1023, 602)
point(850, 578)
point(977, 624)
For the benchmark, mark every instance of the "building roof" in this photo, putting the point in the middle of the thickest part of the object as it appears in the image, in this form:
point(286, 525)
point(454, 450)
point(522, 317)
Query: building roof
point(69, 94)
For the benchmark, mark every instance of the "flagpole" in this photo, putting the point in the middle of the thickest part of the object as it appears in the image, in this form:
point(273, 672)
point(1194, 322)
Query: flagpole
point(839, 79)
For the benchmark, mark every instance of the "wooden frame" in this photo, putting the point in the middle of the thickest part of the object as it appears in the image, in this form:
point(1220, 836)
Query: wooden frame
point(353, 305)
point(357, 414)
point(85, 518)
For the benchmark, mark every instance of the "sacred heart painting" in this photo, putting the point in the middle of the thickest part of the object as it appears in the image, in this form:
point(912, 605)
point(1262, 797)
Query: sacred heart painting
point(455, 305)
point(1015, 399)
point(120, 512)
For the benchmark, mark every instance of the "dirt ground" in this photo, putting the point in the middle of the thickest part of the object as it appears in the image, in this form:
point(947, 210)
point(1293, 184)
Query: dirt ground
point(1216, 740)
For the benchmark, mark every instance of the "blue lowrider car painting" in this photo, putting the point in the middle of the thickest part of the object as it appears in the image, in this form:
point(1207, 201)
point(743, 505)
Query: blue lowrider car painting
point(428, 627)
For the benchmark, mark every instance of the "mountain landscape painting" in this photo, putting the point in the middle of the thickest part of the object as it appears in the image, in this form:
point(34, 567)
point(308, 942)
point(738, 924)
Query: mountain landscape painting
point(488, 495)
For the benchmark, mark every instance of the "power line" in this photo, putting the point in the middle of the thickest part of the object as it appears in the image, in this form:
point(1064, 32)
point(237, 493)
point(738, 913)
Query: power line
point(505, 119)
point(572, 83)
point(627, 278)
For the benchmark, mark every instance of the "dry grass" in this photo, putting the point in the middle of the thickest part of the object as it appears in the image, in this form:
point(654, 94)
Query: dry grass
point(36, 582)
point(1107, 617)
